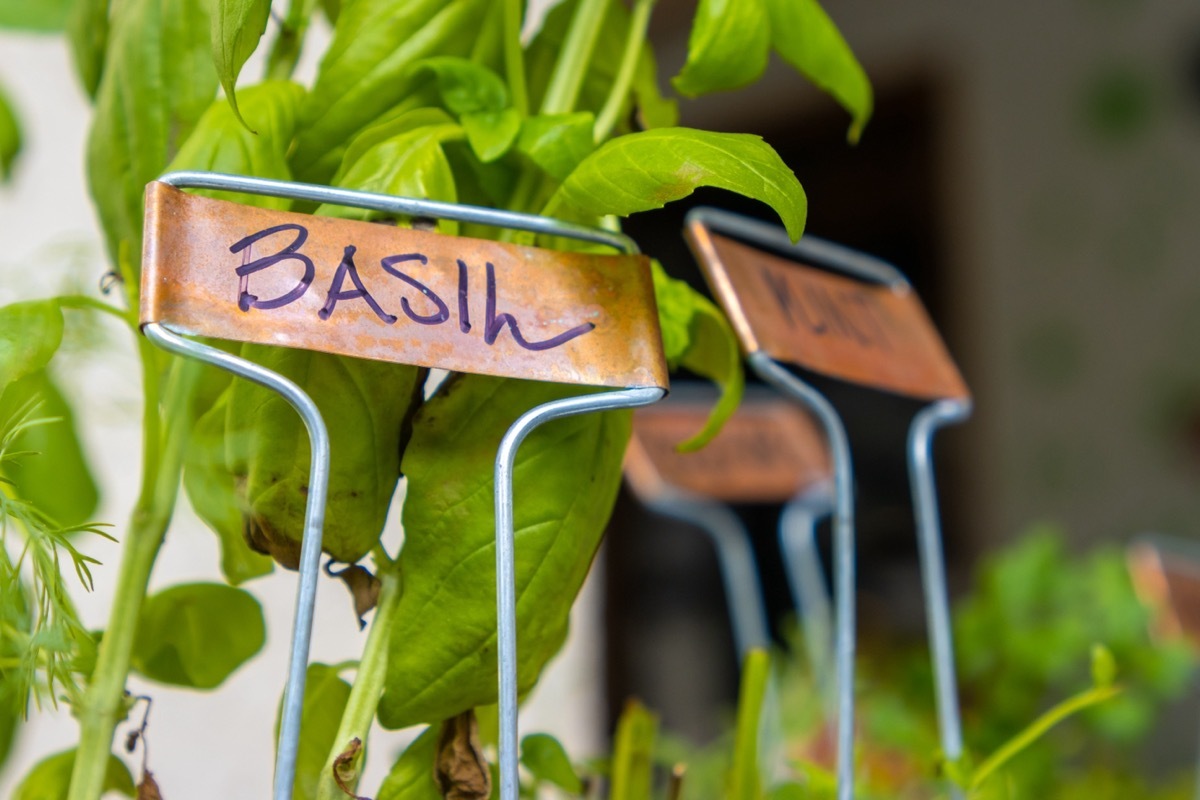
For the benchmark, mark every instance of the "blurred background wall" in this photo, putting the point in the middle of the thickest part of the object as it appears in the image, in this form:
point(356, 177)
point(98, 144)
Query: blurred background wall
point(1034, 169)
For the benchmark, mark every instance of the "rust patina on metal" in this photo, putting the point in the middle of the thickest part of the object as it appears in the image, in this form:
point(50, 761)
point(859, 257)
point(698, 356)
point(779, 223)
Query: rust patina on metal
point(229, 271)
point(866, 333)
point(766, 453)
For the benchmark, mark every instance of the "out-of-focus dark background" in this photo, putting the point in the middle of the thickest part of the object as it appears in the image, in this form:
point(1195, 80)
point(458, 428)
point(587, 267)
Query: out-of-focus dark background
point(1034, 168)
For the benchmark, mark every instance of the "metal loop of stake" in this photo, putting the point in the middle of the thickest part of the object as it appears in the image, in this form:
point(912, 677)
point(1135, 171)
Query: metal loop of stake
point(933, 569)
point(866, 268)
point(735, 556)
point(293, 700)
point(806, 578)
point(310, 547)
point(506, 582)
point(843, 555)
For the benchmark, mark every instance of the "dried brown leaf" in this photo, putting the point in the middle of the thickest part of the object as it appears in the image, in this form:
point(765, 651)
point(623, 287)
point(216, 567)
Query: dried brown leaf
point(345, 768)
point(147, 789)
point(462, 771)
point(364, 588)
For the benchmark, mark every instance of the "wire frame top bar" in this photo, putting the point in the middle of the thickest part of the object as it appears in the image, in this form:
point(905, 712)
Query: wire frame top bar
point(230, 271)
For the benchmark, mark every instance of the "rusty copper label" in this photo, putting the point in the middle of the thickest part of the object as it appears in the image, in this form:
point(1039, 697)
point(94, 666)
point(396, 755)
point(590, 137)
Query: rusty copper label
point(870, 334)
point(767, 452)
point(1169, 584)
point(230, 271)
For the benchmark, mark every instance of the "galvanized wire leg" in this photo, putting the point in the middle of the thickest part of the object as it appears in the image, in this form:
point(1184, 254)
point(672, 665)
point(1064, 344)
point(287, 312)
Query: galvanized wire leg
point(933, 568)
point(735, 555)
point(806, 578)
point(843, 555)
point(310, 546)
point(506, 581)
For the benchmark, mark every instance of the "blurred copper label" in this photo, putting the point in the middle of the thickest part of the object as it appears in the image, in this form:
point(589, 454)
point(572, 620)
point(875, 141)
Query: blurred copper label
point(230, 271)
point(870, 334)
point(767, 452)
point(1169, 584)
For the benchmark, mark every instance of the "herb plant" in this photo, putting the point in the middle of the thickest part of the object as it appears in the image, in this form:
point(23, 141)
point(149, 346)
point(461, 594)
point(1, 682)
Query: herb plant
point(437, 99)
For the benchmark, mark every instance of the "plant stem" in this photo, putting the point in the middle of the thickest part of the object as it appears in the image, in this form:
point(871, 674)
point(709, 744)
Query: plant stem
point(514, 58)
point(639, 22)
point(368, 683)
point(163, 461)
point(1036, 729)
point(577, 49)
point(285, 50)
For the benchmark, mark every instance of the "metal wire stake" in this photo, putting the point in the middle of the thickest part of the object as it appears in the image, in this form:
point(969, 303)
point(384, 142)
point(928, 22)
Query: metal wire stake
point(310, 546)
point(735, 555)
point(506, 581)
point(806, 578)
point(933, 568)
point(843, 555)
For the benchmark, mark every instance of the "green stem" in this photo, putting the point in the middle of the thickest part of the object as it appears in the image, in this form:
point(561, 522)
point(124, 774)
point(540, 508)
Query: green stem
point(1038, 728)
point(639, 22)
point(78, 301)
point(577, 49)
point(744, 780)
point(285, 50)
point(104, 698)
point(368, 683)
point(514, 58)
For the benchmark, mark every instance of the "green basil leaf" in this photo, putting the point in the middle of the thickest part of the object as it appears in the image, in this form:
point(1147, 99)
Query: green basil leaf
point(411, 777)
point(697, 336)
point(382, 130)
point(367, 68)
point(212, 490)
point(565, 482)
point(50, 778)
point(491, 133)
point(87, 32)
point(40, 16)
point(237, 25)
point(16, 616)
point(10, 137)
point(728, 47)
point(411, 164)
point(325, 696)
point(158, 80)
point(646, 170)
point(546, 760)
point(54, 475)
point(222, 142)
point(633, 753)
point(654, 110)
point(465, 87)
point(808, 40)
point(30, 334)
point(557, 143)
point(366, 406)
point(197, 634)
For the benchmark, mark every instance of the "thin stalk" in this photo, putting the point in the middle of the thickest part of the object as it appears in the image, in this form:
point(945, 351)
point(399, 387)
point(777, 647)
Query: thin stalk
point(1038, 728)
point(103, 700)
point(285, 50)
point(639, 22)
point(514, 57)
point(577, 49)
point(368, 683)
point(78, 301)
